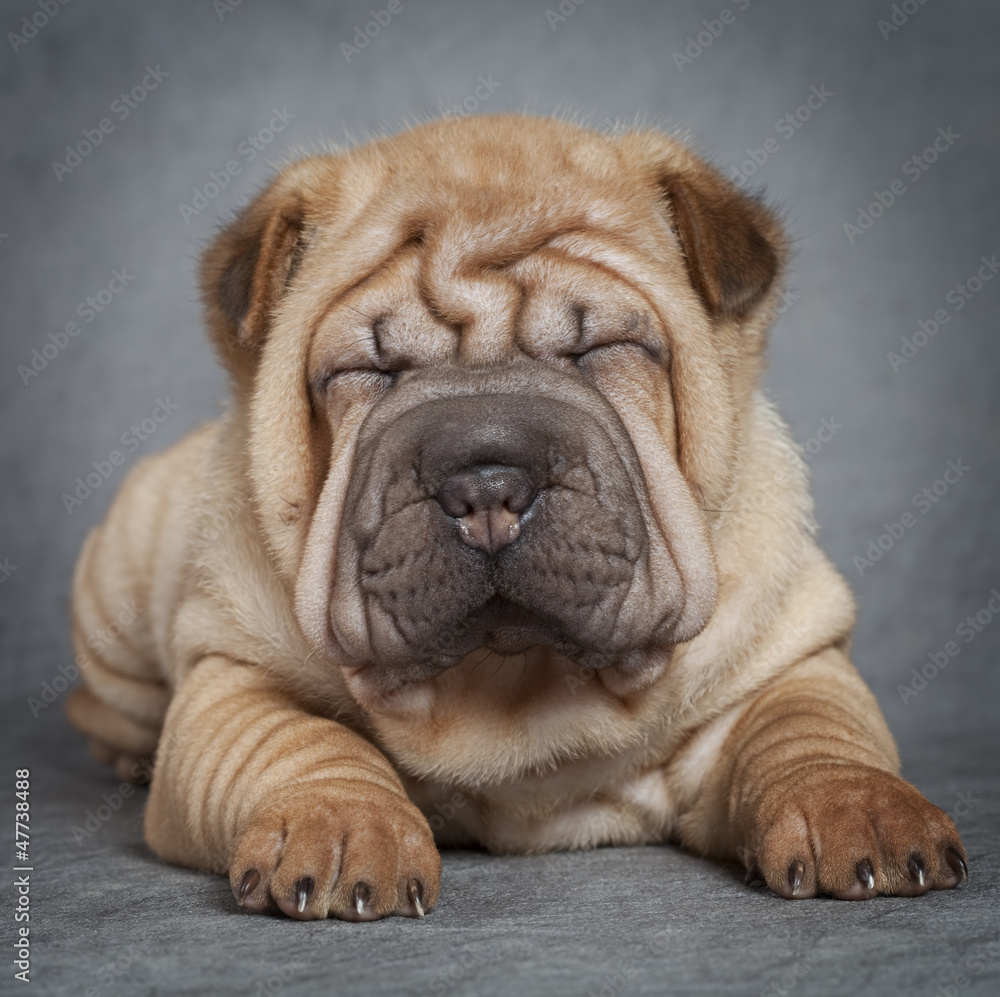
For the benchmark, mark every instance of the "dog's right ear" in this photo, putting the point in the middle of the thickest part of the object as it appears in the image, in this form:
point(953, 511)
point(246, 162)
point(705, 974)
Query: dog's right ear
point(733, 245)
point(249, 266)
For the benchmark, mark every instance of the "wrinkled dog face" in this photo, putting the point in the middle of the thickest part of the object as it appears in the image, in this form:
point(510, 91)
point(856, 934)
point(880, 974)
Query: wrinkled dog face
point(464, 346)
point(502, 503)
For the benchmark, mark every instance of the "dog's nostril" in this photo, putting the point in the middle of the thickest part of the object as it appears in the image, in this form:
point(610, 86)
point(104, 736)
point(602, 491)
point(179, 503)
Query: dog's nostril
point(522, 494)
point(488, 502)
point(454, 504)
point(457, 495)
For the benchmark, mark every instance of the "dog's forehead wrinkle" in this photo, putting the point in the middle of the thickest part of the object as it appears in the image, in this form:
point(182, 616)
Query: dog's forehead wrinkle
point(479, 290)
point(378, 328)
point(464, 261)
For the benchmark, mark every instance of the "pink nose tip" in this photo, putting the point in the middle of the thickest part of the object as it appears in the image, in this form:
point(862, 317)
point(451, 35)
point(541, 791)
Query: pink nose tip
point(490, 529)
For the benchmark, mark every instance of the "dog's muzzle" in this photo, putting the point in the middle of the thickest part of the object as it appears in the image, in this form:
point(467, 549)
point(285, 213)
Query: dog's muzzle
point(500, 508)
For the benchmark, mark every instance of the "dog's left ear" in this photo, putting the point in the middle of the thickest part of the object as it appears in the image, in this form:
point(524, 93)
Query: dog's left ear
point(733, 245)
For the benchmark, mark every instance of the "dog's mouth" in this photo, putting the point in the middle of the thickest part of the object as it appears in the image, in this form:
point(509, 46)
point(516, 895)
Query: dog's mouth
point(505, 628)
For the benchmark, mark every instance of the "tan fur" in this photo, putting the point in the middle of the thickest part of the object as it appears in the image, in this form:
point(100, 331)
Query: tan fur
point(279, 762)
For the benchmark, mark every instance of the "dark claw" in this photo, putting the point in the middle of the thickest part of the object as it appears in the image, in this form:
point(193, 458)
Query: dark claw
point(248, 884)
point(415, 894)
point(796, 871)
point(753, 874)
point(362, 896)
point(918, 872)
point(303, 888)
point(866, 874)
point(957, 864)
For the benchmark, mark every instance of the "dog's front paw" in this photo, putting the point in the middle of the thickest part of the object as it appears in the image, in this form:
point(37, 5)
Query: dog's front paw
point(350, 850)
point(852, 832)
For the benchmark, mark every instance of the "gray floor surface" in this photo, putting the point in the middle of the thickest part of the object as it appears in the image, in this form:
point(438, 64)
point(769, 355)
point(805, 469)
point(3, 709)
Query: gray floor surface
point(109, 918)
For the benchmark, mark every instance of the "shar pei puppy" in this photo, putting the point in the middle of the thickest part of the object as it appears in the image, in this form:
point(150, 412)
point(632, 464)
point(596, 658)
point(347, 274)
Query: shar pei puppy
point(497, 544)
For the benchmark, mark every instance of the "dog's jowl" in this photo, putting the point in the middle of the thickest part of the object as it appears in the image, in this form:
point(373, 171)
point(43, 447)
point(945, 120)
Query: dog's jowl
point(497, 544)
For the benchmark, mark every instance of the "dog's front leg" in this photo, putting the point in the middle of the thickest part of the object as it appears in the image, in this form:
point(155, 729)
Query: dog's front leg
point(300, 811)
point(805, 791)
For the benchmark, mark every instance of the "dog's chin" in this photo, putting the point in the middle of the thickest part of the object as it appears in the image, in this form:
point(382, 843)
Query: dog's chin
point(398, 680)
point(392, 694)
point(500, 626)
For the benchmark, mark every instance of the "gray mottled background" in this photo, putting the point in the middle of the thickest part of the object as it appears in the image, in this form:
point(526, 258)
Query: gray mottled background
point(637, 920)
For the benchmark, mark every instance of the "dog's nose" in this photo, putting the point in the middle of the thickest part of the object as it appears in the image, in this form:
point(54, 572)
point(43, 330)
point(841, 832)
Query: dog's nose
point(488, 502)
